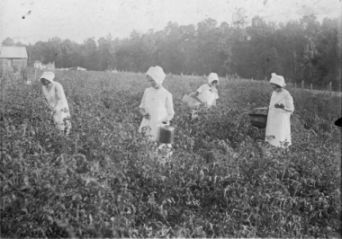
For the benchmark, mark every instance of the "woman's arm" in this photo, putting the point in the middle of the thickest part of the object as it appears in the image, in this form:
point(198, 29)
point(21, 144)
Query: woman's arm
point(59, 92)
point(289, 106)
point(142, 106)
point(196, 94)
point(169, 107)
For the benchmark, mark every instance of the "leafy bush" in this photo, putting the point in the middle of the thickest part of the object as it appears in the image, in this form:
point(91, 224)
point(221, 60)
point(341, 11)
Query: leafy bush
point(106, 180)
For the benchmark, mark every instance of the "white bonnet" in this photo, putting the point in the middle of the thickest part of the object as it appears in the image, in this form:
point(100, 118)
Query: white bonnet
point(212, 77)
point(48, 75)
point(277, 80)
point(156, 73)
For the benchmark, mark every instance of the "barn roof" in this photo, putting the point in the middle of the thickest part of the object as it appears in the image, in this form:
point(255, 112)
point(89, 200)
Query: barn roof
point(13, 52)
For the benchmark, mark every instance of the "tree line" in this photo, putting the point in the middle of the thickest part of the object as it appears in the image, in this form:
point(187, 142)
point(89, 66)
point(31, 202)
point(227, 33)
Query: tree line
point(305, 49)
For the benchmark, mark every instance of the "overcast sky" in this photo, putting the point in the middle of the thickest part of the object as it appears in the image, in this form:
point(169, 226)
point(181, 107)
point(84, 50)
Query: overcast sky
point(29, 21)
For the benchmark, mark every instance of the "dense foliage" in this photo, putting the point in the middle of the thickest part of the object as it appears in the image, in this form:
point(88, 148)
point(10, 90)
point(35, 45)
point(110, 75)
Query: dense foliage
point(300, 50)
point(106, 180)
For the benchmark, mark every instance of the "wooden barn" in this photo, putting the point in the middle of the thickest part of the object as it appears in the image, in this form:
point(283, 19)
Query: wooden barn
point(13, 58)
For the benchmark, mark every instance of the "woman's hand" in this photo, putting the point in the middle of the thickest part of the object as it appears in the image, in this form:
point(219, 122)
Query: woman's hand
point(279, 106)
point(195, 96)
point(53, 109)
point(144, 113)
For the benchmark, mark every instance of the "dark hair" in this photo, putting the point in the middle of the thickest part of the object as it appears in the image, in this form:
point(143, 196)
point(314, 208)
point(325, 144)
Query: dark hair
point(276, 85)
point(42, 80)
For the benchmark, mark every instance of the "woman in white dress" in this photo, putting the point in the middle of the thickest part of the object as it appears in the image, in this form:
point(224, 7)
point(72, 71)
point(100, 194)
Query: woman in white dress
point(278, 127)
point(54, 94)
point(207, 94)
point(156, 105)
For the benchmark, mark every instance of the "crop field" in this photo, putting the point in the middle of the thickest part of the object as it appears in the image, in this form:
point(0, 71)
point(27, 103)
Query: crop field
point(106, 180)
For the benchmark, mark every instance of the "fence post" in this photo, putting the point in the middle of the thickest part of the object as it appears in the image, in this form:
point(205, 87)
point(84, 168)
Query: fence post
point(302, 84)
point(330, 86)
point(310, 86)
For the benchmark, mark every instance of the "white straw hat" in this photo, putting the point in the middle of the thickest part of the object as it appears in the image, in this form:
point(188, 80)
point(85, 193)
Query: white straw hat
point(277, 80)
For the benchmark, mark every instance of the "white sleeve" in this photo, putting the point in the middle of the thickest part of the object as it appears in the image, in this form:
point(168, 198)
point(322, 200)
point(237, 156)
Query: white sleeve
point(169, 107)
point(289, 106)
point(142, 103)
point(201, 88)
point(60, 97)
point(58, 91)
point(271, 105)
point(217, 95)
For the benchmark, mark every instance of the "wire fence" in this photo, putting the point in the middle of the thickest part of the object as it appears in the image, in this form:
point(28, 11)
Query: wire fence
point(328, 89)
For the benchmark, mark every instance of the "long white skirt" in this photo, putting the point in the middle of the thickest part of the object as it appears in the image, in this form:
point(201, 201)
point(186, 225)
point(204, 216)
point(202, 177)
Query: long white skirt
point(278, 128)
point(151, 129)
point(62, 121)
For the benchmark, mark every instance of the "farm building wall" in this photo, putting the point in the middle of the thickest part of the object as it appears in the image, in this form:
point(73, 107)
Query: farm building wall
point(12, 64)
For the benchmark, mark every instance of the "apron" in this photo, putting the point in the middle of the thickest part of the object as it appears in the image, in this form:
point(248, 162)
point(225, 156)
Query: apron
point(278, 128)
point(61, 118)
point(208, 95)
point(155, 106)
point(60, 108)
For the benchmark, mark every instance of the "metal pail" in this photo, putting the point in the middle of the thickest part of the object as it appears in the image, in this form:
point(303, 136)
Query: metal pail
point(166, 134)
